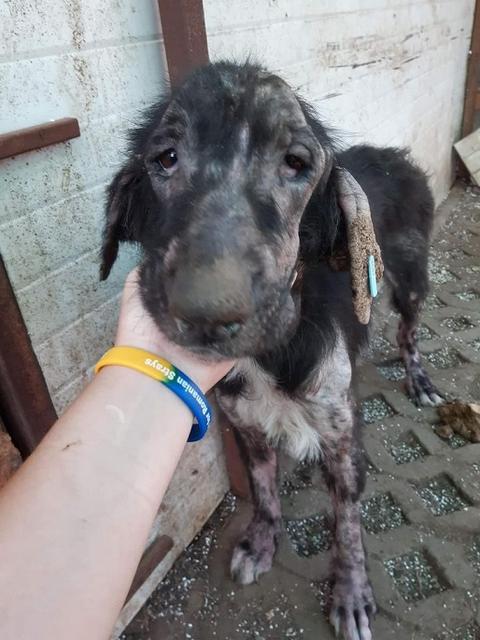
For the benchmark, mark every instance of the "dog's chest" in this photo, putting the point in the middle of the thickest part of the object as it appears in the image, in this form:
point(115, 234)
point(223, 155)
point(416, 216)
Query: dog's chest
point(298, 423)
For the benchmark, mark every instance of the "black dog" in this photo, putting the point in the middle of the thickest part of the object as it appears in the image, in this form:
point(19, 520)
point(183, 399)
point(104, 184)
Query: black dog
point(231, 189)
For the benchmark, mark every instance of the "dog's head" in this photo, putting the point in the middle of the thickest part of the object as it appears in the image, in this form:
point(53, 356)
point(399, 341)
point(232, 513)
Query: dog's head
point(216, 191)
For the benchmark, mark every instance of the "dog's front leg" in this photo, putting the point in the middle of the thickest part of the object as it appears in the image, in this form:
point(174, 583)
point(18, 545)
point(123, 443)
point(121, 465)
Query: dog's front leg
point(353, 603)
point(254, 552)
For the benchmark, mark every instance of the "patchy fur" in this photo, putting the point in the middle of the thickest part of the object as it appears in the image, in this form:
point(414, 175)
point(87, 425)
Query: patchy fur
point(254, 552)
point(419, 385)
point(231, 189)
point(298, 423)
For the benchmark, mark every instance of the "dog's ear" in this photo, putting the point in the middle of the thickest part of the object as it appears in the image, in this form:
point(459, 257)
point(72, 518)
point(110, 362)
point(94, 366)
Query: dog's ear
point(364, 252)
point(118, 225)
point(128, 193)
point(347, 234)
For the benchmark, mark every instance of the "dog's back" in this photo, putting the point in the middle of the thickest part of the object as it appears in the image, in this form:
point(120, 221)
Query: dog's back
point(398, 192)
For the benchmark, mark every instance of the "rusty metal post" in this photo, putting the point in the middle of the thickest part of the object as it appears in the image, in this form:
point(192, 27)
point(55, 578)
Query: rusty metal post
point(184, 35)
point(25, 404)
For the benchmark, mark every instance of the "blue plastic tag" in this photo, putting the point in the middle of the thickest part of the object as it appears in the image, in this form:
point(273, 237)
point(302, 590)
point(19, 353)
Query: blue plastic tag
point(372, 277)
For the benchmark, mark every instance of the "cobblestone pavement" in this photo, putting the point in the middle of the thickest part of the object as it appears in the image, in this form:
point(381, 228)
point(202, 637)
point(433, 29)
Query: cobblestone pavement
point(421, 506)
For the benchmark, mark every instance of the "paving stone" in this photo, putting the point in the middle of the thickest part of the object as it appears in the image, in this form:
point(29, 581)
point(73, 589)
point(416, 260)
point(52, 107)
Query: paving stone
point(433, 302)
point(441, 496)
point(310, 535)
point(466, 632)
point(381, 513)
point(323, 593)
point(393, 370)
point(424, 332)
point(375, 408)
point(457, 323)
point(468, 296)
point(407, 448)
point(301, 504)
point(444, 358)
point(414, 576)
point(473, 553)
point(475, 344)
point(421, 507)
point(300, 478)
point(439, 274)
point(456, 441)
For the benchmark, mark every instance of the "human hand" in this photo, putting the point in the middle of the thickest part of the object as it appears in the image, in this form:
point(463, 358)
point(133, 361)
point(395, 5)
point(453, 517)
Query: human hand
point(137, 329)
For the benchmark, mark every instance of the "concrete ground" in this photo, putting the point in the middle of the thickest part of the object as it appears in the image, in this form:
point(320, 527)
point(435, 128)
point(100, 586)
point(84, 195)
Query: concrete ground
point(421, 506)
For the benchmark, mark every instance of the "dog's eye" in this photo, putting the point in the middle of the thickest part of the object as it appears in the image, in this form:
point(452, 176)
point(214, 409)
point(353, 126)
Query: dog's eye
point(167, 159)
point(295, 163)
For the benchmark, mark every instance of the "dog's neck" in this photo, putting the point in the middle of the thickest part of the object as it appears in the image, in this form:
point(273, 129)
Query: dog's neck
point(314, 337)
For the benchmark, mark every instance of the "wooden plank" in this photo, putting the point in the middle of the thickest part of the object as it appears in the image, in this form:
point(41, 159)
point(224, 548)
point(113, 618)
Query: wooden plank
point(25, 404)
point(10, 458)
point(236, 469)
point(152, 557)
point(41, 135)
point(184, 35)
point(473, 76)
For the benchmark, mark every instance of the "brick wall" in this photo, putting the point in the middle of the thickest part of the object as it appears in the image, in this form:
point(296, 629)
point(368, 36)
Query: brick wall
point(391, 72)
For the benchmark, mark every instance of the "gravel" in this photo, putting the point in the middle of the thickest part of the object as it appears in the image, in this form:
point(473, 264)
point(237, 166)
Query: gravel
point(414, 576)
point(381, 513)
point(309, 536)
point(441, 496)
point(407, 448)
point(375, 409)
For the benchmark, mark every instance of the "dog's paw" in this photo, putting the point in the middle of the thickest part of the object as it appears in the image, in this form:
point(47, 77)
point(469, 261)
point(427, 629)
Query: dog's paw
point(422, 392)
point(253, 555)
point(422, 397)
point(433, 399)
point(353, 607)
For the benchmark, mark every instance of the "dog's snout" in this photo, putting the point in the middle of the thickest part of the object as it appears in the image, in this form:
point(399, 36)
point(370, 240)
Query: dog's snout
point(215, 299)
point(203, 333)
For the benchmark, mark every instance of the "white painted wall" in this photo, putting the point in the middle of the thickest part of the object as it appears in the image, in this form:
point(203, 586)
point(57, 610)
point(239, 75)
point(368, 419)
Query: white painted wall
point(101, 63)
point(390, 72)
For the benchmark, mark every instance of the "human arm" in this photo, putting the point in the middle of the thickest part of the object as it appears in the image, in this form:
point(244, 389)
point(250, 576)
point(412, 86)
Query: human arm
point(74, 519)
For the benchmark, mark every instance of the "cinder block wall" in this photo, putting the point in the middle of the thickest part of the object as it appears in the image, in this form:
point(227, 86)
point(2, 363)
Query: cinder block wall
point(391, 72)
point(101, 63)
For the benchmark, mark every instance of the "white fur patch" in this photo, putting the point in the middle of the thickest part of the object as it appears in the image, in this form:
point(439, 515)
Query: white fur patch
point(295, 423)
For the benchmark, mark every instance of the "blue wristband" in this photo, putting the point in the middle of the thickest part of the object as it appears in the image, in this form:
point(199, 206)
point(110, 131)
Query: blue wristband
point(191, 395)
point(168, 374)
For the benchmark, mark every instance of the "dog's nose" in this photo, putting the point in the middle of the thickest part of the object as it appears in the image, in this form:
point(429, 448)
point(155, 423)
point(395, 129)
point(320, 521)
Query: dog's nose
point(214, 299)
point(208, 333)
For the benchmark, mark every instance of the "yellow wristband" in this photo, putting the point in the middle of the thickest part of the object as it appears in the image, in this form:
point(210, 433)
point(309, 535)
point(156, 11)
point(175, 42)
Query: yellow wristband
point(140, 360)
point(168, 374)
